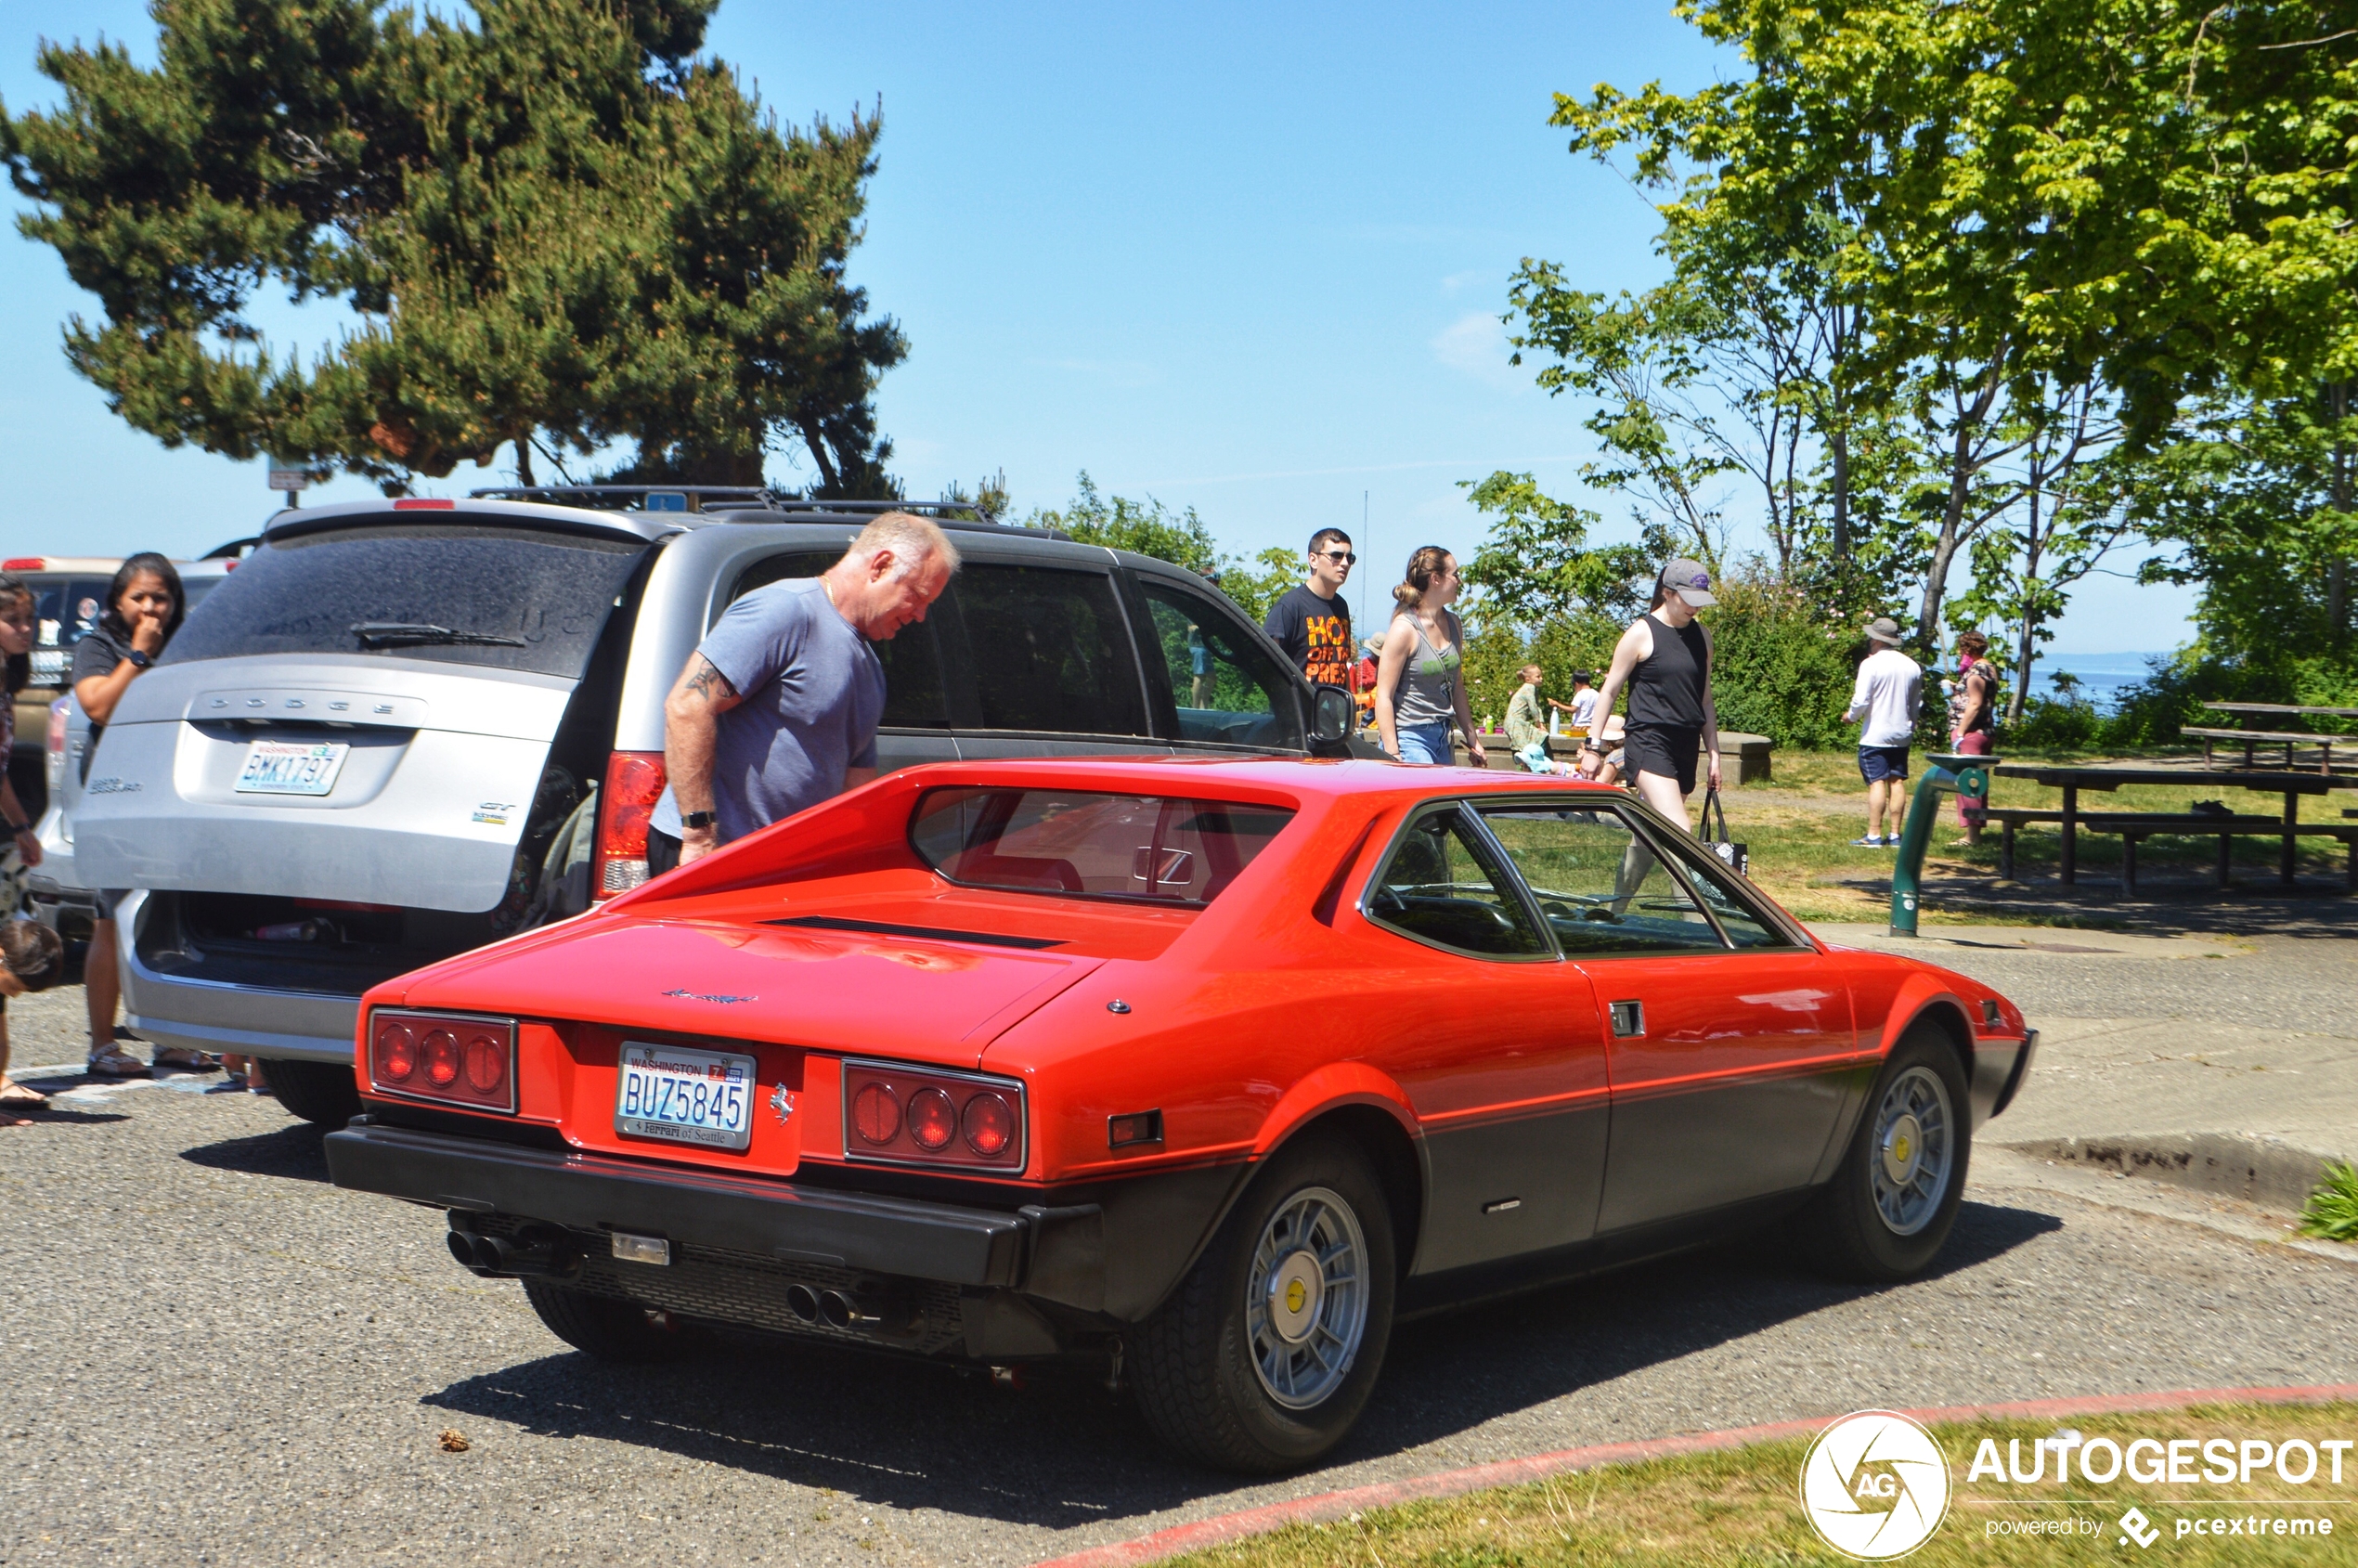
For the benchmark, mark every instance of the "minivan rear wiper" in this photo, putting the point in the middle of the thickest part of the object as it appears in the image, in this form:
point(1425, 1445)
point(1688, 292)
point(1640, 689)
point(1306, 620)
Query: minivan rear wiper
point(387, 634)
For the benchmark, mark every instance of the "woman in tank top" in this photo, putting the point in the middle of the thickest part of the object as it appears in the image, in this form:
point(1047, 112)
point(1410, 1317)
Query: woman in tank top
point(1420, 682)
point(1664, 660)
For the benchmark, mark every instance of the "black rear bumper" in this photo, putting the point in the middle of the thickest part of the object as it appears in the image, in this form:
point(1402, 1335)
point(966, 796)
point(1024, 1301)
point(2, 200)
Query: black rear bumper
point(1055, 1253)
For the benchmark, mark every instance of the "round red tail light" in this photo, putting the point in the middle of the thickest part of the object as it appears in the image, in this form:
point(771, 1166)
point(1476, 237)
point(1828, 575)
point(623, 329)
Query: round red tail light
point(933, 1120)
point(396, 1053)
point(486, 1064)
point(875, 1113)
point(991, 1125)
point(441, 1058)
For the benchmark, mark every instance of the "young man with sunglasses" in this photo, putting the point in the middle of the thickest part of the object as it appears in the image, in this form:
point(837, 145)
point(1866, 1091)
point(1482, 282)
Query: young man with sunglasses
point(1312, 623)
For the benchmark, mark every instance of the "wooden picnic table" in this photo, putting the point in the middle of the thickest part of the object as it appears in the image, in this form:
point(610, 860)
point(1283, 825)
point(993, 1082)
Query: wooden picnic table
point(2071, 778)
point(2289, 739)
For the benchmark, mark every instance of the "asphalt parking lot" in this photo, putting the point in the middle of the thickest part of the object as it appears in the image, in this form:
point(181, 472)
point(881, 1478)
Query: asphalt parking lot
point(217, 1357)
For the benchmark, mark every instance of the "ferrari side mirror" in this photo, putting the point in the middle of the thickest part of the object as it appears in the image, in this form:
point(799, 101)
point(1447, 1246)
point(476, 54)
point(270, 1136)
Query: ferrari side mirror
point(1331, 711)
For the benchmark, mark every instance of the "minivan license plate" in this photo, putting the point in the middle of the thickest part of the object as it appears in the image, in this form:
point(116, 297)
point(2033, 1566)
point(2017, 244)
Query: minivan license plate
point(291, 768)
point(688, 1097)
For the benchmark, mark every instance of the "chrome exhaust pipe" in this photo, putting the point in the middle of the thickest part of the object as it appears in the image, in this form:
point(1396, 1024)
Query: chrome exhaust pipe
point(803, 1302)
point(533, 1254)
point(843, 1311)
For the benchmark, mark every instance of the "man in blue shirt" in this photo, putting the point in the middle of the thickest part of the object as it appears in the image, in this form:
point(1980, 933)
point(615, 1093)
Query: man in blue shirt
point(777, 709)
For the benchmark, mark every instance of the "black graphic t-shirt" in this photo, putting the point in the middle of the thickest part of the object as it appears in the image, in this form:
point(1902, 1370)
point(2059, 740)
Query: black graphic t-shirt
point(1316, 634)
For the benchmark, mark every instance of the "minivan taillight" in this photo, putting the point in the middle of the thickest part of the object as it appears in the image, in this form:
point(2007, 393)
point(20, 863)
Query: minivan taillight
point(634, 783)
point(924, 1115)
point(455, 1057)
point(56, 760)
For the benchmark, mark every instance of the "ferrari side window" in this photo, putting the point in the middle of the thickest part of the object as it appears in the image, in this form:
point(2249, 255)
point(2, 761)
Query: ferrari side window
point(1441, 885)
point(1600, 887)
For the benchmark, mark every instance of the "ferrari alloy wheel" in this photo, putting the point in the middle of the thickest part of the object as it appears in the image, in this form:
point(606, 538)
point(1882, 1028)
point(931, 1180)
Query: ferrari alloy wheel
point(1894, 1198)
point(1306, 1299)
point(1910, 1170)
point(1266, 1354)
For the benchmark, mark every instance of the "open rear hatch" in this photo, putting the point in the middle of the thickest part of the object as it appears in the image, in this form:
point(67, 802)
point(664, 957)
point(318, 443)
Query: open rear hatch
point(363, 713)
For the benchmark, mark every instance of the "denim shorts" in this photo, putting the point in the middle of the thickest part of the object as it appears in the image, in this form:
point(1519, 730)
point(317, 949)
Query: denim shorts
point(1426, 743)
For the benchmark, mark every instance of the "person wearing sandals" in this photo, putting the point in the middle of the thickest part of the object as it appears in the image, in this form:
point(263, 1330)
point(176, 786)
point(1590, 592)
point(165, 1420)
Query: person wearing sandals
point(23, 852)
point(144, 607)
point(1421, 678)
point(32, 957)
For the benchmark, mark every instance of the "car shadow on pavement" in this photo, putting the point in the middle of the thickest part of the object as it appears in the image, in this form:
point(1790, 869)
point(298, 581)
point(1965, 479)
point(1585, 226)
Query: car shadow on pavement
point(1064, 1452)
point(294, 1152)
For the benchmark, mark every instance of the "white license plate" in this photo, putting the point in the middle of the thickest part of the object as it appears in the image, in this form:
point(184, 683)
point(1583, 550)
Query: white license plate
point(688, 1097)
point(291, 768)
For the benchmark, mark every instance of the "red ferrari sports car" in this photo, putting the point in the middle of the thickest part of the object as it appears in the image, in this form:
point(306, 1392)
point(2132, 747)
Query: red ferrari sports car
point(1209, 1069)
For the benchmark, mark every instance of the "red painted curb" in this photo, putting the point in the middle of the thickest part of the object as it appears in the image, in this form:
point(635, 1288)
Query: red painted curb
point(1509, 1472)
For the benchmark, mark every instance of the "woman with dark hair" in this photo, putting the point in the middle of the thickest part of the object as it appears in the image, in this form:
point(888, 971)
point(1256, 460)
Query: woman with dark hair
point(1973, 730)
point(1664, 659)
point(24, 847)
point(1421, 678)
point(144, 607)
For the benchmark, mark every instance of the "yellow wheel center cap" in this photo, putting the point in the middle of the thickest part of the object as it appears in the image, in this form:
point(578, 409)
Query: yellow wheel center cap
point(1297, 1286)
point(1902, 1145)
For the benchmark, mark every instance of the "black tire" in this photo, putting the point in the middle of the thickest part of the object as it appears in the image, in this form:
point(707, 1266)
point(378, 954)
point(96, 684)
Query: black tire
point(320, 1092)
point(1192, 1362)
point(1848, 1227)
point(602, 1326)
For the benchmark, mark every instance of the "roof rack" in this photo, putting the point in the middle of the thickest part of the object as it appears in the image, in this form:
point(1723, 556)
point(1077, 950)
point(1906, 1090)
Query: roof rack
point(651, 498)
point(863, 509)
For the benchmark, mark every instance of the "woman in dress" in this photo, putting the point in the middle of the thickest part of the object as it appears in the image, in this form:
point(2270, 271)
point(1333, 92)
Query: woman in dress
point(1421, 679)
point(1664, 660)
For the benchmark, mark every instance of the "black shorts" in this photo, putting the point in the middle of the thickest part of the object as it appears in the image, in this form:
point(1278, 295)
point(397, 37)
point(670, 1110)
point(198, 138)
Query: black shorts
point(1664, 749)
point(1877, 763)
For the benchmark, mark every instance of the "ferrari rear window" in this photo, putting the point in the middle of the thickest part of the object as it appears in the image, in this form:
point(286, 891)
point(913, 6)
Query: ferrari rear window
point(1081, 844)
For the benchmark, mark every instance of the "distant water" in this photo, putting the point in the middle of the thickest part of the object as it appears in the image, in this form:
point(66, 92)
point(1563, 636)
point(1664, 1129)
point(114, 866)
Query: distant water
point(2101, 675)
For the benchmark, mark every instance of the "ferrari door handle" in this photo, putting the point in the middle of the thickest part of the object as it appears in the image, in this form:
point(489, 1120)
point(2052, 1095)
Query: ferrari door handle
point(1629, 1019)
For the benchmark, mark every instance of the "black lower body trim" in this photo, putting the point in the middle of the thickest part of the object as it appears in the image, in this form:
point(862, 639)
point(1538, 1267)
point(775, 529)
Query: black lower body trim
point(894, 1235)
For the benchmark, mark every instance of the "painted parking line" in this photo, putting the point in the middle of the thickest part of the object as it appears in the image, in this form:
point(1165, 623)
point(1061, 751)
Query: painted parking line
point(1511, 1473)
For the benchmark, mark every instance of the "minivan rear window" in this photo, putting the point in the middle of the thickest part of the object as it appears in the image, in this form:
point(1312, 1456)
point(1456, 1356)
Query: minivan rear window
point(487, 595)
point(1083, 844)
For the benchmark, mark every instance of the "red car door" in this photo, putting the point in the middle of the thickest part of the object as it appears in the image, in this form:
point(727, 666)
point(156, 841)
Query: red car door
point(1503, 1054)
point(1730, 1036)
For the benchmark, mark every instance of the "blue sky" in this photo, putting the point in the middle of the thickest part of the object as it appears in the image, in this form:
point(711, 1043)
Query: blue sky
point(1244, 258)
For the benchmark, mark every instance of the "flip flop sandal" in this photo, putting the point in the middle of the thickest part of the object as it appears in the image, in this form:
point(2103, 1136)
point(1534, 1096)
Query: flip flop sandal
point(115, 1062)
point(186, 1060)
point(18, 1094)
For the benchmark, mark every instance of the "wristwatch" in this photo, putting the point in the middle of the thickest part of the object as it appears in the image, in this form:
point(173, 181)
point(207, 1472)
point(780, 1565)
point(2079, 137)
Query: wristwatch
point(139, 660)
point(692, 821)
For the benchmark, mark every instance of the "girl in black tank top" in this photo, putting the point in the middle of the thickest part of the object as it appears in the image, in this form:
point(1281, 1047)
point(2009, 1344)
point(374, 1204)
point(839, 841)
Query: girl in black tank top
point(1667, 690)
point(1664, 660)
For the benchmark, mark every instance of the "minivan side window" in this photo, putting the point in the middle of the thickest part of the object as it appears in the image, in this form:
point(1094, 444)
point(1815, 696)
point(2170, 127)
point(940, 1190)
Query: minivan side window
point(1049, 649)
point(912, 660)
point(1227, 689)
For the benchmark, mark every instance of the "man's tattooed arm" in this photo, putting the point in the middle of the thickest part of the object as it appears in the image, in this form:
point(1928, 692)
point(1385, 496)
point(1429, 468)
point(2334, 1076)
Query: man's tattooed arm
point(705, 684)
point(691, 733)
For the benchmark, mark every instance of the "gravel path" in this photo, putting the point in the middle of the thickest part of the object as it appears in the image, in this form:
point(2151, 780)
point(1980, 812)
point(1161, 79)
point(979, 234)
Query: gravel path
point(220, 1358)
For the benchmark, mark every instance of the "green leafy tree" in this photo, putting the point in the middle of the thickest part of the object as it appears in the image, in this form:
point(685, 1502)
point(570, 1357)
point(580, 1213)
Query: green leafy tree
point(558, 228)
point(1147, 527)
point(1536, 564)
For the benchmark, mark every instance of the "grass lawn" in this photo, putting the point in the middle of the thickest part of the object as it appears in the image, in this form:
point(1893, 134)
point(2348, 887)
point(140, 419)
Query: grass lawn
point(1799, 826)
point(1742, 1508)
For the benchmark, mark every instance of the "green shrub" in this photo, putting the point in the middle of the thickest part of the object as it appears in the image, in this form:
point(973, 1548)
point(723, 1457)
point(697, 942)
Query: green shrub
point(2056, 724)
point(2332, 1209)
point(1781, 670)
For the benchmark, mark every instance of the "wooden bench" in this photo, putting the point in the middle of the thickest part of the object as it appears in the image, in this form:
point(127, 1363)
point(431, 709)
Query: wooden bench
point(2135, 827)
point(2289, 739)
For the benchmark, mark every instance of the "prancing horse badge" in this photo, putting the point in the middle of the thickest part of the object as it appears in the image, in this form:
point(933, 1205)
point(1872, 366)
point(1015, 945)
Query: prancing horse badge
point(783, 1103)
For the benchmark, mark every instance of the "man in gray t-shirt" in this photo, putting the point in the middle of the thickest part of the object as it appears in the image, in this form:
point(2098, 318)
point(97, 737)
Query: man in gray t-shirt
point(777, 709)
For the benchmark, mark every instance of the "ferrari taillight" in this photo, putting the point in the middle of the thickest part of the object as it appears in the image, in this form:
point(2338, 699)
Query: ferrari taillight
point(924, 1115)
point(634, 783)
point(452, 1057)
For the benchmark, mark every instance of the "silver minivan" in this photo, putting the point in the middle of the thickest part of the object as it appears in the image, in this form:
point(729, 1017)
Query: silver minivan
point(405, 728)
